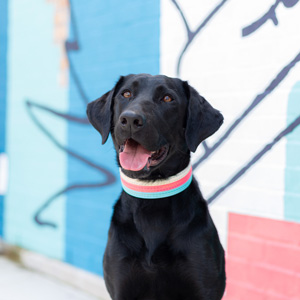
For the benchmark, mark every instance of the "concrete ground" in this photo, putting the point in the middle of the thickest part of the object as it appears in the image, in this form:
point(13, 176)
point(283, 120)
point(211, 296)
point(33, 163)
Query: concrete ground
point(18, 283)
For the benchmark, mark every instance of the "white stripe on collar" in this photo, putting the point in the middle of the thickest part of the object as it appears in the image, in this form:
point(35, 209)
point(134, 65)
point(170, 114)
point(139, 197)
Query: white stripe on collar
point(160, 188)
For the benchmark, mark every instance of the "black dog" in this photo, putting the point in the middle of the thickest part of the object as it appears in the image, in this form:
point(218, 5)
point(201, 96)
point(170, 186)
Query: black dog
point(166, 248)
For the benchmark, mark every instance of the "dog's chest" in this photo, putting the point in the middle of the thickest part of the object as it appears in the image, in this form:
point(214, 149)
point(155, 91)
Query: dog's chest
point(153, 227)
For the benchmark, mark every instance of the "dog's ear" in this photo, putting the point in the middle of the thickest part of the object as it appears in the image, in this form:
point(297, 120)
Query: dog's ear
point(202, 119)
point(99, 112)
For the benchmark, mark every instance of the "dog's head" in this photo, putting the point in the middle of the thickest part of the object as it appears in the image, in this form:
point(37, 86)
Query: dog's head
point(155, 121)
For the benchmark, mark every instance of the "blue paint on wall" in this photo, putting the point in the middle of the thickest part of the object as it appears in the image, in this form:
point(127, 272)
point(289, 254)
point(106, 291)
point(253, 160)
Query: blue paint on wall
point(115, 38)
point(292, 171)
point(3, 67)
point(37, 168)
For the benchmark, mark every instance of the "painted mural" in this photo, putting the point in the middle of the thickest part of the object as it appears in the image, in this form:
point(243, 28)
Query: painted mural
point(73, 182)
point(244, 58)
point(3, 89)
point(58, 183)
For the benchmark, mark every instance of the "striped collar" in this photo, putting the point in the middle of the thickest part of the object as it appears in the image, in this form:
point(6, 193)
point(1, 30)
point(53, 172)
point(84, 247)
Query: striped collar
point(159, 188)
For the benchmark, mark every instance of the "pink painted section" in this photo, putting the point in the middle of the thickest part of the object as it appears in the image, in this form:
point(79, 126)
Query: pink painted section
point(263, 259)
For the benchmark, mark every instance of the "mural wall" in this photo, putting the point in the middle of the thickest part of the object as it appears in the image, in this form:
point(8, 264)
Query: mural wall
point(62, 183)
point(243, 56)
point(58, 183)
point(245, 60)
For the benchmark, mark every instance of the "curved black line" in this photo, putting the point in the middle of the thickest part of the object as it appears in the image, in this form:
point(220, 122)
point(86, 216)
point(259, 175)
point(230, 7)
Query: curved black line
point(81, 120)
point(37, 215)
point(270, 88)
point(257, 157)
point(269, 15)
point(204, 144)
point(72, 44)
point(29, 105)
point(77, 81)
point(110, 178)
point(187, 27)
point(193, 34)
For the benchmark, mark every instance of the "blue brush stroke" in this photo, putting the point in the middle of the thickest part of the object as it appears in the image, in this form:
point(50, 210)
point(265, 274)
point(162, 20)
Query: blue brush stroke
point(292, 169)
point(114, 38)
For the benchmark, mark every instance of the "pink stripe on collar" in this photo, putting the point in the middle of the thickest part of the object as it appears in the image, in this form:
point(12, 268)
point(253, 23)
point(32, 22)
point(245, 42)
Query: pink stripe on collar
point(157, 189)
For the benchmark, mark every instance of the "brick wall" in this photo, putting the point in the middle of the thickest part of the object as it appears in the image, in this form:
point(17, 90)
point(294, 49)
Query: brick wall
point(262, 258)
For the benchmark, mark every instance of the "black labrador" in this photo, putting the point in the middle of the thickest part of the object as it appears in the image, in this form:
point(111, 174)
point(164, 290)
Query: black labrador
point(165, 248)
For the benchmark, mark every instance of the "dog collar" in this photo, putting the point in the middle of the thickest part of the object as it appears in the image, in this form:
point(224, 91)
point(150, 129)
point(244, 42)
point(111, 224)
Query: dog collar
point(159, 188)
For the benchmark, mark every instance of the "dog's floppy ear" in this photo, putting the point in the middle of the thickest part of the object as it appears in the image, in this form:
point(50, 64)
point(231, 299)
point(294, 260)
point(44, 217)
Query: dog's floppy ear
point(99, 112)
point(202, 119)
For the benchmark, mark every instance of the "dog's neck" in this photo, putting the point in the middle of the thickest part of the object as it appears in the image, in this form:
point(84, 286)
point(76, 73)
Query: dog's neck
point(160, 188)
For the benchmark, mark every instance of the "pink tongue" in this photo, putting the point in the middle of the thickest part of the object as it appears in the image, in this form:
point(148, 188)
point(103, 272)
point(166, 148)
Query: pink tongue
point(134, 157)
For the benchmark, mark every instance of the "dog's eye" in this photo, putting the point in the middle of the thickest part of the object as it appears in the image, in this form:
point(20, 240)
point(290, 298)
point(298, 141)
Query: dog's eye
point(167, 98)
point(126, 94)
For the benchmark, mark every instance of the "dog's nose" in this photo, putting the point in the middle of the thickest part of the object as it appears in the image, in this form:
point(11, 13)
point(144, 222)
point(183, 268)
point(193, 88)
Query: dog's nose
point(130, 119)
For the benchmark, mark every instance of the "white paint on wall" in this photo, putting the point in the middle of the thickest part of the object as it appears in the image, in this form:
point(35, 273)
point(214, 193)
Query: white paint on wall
point(3, 173)
point(230, 71)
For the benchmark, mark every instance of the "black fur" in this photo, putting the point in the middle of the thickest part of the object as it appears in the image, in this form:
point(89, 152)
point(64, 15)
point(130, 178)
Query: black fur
point(162, 249)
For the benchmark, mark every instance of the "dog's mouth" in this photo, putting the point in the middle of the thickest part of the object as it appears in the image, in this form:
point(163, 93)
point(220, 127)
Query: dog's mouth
point(134, 157)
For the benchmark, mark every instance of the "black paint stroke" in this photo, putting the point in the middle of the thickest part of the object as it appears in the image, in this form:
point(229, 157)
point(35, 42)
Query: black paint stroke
point(258, 99)
point(192, 34)
point(269, 15)
point(256, 158)
point(73, 45)
point(71, 118)
point(110, 178)
point(70, 45)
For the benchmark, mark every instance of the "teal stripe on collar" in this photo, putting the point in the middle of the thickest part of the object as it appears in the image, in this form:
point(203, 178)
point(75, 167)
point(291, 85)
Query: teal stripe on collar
point(157, 195)
point(160, 188)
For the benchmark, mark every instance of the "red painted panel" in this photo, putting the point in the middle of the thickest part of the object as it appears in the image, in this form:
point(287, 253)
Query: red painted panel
point(263, 259)
point(272, 230)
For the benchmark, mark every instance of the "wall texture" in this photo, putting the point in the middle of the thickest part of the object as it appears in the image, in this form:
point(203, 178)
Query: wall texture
point(3, 89)
point(58, 184)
